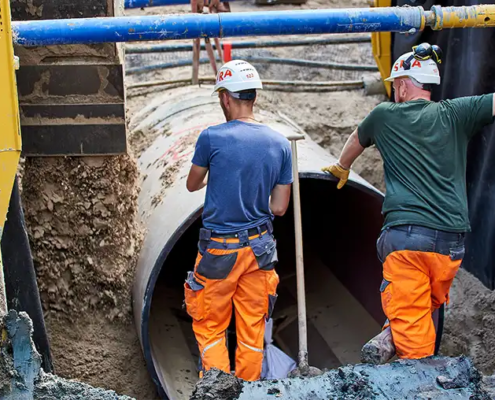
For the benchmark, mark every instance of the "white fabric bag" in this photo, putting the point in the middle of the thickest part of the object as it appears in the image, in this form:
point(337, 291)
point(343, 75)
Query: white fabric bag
point(276, 364)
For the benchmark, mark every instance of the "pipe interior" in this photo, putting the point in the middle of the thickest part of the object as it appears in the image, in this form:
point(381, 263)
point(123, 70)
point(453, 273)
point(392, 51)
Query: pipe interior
point(342, 275)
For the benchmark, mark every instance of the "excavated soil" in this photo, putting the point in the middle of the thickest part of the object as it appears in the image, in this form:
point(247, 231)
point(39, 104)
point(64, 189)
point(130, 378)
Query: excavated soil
point(470, 322)
point(85, 239)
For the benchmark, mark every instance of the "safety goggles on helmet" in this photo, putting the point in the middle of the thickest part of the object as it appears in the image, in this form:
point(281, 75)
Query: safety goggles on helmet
point(424, 52)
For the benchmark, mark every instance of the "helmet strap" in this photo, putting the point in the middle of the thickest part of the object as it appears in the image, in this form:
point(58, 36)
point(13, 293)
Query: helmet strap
point(244, 95)
point(424, 86)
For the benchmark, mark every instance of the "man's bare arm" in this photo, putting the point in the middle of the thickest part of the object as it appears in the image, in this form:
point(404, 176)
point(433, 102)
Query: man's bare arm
point(279, 200)
point(197, 180)
point(494, 104)
point(352, 150)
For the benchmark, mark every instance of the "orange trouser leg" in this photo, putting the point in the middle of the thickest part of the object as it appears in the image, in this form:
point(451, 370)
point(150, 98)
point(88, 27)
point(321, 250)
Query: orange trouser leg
point(419, 283)
point(406, 301)
point(443, 272)
point(251, 301)
point(216, 301)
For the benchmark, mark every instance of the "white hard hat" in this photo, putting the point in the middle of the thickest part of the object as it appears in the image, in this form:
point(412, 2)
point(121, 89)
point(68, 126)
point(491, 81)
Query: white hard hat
point(423, 71)
point(236, 76)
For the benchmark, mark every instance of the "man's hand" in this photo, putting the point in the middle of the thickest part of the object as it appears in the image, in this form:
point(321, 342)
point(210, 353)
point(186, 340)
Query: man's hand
point(339, 172)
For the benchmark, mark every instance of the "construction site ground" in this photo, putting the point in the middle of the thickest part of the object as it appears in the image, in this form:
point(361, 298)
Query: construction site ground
point(87, 299)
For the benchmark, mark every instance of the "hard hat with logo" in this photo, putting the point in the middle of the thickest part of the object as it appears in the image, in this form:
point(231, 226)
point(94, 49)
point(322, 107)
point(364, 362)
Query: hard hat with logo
point(423, 71)
point(236, 76)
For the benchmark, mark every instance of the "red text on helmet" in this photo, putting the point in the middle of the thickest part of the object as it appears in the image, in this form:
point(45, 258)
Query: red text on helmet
point(415, 63)
point(222, 75)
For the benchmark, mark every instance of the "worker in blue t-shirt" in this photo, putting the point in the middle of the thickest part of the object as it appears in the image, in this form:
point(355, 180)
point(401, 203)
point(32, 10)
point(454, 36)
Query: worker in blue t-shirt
point(247, 167)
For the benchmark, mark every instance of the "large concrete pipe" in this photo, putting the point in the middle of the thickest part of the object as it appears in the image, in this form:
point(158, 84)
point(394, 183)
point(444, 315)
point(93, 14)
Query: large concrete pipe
point(340, 230)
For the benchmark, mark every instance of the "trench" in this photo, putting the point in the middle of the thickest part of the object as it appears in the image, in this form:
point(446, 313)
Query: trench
point(340, 228)
point(342, 281)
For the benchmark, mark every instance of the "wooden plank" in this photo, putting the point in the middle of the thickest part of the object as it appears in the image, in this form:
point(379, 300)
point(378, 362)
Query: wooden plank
point(85, 111)
point(77, 140)
point(89, 83)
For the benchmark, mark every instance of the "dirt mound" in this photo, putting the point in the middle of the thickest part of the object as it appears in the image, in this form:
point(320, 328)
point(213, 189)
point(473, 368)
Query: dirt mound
point(100, 353)
point(432, 378)
point(470, 322)
point(81, 219)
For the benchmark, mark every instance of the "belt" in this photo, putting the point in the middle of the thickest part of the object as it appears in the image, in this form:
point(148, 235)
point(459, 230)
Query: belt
point(251, 232)
point(433, 233)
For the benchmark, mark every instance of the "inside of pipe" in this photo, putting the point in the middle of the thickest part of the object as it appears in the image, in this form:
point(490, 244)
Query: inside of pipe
point(342, 275)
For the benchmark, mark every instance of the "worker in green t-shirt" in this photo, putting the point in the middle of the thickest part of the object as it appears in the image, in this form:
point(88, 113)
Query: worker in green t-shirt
point(423, 145)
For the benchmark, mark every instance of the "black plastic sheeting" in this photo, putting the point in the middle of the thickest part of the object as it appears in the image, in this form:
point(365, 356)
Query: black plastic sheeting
point(20, 277)
point(468, 69)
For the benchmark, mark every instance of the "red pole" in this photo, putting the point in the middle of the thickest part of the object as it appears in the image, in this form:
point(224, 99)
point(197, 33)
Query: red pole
point(227, 51)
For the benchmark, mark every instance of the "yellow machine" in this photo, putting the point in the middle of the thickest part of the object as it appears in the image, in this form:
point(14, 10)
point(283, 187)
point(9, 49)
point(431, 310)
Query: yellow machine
point(10, 138)
point(381, 43)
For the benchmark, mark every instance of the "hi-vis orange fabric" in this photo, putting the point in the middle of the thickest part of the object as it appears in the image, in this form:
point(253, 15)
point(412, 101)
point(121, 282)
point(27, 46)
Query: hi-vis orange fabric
point(415, 284)
point(232, 277)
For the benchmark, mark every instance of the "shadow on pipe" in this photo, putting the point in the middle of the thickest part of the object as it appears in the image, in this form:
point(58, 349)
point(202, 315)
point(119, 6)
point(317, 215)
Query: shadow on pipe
point(340, 229)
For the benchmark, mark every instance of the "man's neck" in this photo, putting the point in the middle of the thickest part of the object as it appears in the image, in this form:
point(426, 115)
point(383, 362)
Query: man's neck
point(421, 95)
point(244, 114)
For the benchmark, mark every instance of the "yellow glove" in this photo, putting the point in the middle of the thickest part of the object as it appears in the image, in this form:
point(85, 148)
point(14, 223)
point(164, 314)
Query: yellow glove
point(339, 172)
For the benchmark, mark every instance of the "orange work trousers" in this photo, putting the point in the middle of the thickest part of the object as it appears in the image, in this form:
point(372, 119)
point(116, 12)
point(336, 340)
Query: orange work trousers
point(229, 273)
point(419, 265)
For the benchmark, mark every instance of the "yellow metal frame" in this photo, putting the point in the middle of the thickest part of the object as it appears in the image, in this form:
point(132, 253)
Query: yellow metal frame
point(10, 136)
point(381, 43)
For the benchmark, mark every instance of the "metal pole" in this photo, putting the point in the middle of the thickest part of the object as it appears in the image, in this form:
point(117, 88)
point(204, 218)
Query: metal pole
point(172, 48)
point(212, 79)
point(301, 294)
point(267, 60)
point(190, 26)
point(314, 22)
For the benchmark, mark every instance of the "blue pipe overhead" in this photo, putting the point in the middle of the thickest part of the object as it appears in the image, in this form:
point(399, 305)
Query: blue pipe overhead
point(156, 3)
point(190, 26)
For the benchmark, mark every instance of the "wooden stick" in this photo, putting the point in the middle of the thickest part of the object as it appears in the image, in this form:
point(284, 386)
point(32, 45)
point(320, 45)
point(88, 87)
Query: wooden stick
point(301, 295)
point(211, 55)
point(218, 45)
point(196, 49)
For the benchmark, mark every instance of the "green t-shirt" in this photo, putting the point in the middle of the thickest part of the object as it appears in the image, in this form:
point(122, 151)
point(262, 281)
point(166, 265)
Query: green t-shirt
point(423, 145)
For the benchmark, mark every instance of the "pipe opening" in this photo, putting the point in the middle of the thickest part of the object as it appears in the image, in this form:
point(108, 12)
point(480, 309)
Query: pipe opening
point(342, 275)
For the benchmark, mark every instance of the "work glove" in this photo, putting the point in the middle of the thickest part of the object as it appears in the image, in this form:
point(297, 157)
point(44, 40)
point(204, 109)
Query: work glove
point(339, 172)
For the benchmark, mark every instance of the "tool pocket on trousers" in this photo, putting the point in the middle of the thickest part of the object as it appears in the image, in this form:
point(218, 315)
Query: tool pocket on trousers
point(194, 297)
point(272, 299)
point(457, 254)
point(214, 266)
point(271, 288)
point(386, 296)
point(202, 246)
point(265, 251)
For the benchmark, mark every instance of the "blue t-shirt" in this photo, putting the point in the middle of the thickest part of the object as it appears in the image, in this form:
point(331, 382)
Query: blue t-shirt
point(245, 161)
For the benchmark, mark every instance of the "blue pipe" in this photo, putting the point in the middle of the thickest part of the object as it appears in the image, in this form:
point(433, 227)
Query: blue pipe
point(190, 26)
point(156, 3)
point(172, 48)
point(267, 60)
